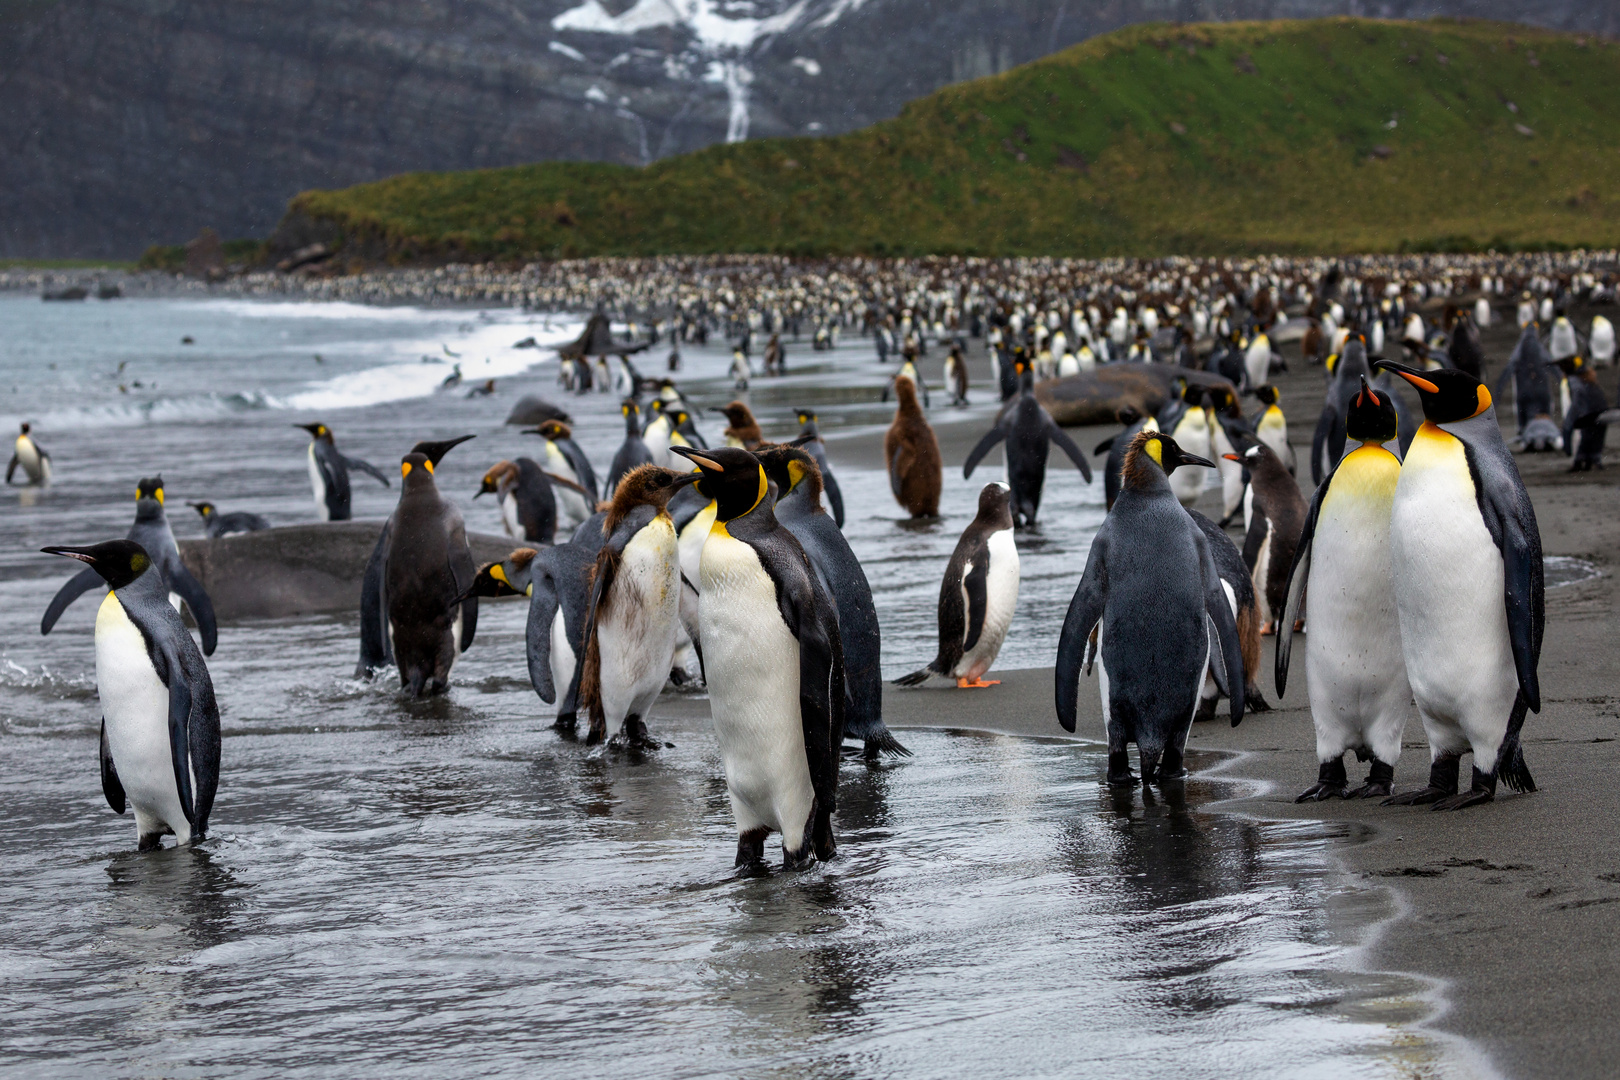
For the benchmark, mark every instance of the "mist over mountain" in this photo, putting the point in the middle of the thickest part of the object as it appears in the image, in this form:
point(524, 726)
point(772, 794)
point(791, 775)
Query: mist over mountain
point(130, 122)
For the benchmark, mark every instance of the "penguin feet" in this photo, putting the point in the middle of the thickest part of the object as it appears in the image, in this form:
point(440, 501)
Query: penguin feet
point(819, 828)
point(1442, 784)
point(1119, 770)
point(1330, 783)
point(751, 850)
point(567, 725)
point(1172, 767)
point(1206, 710)
point(1252, 701)
point(1268, 629)
point(596, 734)
point(1380, 781)
point(152, 841)
point(635, 736)
point(1482, 791)
point(975, 684)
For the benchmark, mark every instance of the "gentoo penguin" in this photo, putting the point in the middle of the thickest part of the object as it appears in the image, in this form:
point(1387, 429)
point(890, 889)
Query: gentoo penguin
point(1238, 584)
point(1356, 674)
point(1271, 426)
point(1192, 436)
point(1584, 432)
point(329, 473)
point(1532, 397)
point(956, 376)
point(419, 570)
point(1029, 431)
point(774, 664)
point(1116, 446)
point(216, 524)
point(151, 531)
point(634, 609)
point(916, 469)
point(35, 462)
point(1468, 588)
point(810, 439)
point(633, 451)
point(563, 457)
point(159, 724)
point(744, 430)
point(1152, 587)
point(977, 597)
point(1279, 513)
point(527, 499)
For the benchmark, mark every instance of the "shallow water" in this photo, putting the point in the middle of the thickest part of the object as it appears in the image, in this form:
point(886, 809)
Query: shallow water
point(449, 888)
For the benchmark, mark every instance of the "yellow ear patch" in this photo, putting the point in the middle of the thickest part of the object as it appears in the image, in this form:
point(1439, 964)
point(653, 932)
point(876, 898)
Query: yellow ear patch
point(796, 474)
point(138, 563)
point(158, 495)
point(498, 572)
point(764, 486)
point(1155, 450)
point(1484, 399)
point(404, 468)
point(428, 465)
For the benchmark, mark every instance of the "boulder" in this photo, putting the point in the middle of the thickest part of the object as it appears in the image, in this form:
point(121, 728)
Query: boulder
point(1094, 397)
point(531, 409)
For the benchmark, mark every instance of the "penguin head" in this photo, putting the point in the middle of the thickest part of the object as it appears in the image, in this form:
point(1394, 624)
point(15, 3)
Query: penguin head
point(552, 429)
point(645, 485)
point(1154, 453)
point(317, 431)
point(1193, 395)
point(205, 509)
point(806, 416)
point(995, 506)
point(435, 451)
point(736, 413)
point(150, 487)
point(1447, 394)
point(729, 475)
point(26, 428)
point(1267, 394)
point(1371, 417)
point(119, 562)
point(501, 470)
point(1127, 415)
point(509, 577)
point(788, 466)
point(417, 469)
point(629, 409)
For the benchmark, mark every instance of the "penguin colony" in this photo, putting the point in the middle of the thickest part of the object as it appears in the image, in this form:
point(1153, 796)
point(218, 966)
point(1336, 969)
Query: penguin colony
point(732, 556)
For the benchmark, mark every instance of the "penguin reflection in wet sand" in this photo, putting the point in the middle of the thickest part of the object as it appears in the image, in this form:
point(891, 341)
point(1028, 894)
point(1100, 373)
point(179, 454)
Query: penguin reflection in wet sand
point(1278, 515)
point(1152, 588)
point(526, 497)
point(810, 439)
point(414, 605)
point(151, 531)
point(1468, 587)
point(329, 473)
point(35, 462)
point(160, 724)
point(635, 607)
point(977, 597)
point(1354, 668)
point(916, 468)
point(774, 663)
point(1029, 431)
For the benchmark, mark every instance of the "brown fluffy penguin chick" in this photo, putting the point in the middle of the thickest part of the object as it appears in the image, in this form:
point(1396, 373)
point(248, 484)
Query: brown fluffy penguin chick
point(1275, 526)
point(744, 430)
point(916, 468)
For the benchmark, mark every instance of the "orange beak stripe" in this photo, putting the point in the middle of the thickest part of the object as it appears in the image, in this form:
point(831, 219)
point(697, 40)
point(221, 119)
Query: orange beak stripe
point(1420, 383)
point(1232, 457)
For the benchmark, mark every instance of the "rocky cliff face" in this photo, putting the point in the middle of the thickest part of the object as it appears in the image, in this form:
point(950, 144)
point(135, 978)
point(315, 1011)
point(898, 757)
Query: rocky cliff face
point(129, 122)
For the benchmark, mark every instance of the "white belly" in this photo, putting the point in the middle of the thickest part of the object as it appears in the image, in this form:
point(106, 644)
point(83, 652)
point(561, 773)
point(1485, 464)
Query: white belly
point(35, 465)
point(693, 537)
point(572, 507)
point(657, 440)
point(319, 485)
point(135, 703)
point(1231, 472)
point(1262, 570)
point(636, 628)
point(1192, 435)
point(509, 516)
point(562, 656)
point(1001, 598)
point(752, 664)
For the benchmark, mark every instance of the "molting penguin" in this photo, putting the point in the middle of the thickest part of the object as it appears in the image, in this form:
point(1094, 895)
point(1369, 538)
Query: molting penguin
point(329, 473)
point(633, 452)
point(741, 370)
point(160, 724)
point(1116, 446)
point(1468, 588)
point(1278, 516)
point(1029, 430)
point(1355, 671)
point(634, 612)
point(744, 430)
point(151, 531)
point(415, 604)
point(216, 524)
point(1152, 587)
point(564, 458)
point(799, 509)
point(35, 462)
point(956, 376)
point(526, 497)
point(908, 370)
point(916, 469)
point(810, 439)
point(977, 597)
point(774, 664)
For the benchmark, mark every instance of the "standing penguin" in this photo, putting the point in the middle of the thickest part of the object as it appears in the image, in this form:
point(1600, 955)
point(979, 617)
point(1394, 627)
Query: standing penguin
point(151, 531)
point(740, 369)
point(1271, 426)
point(634, 610)
point(1238, 584)
point(977, 597)
point(799, 509)
point(1356, 673)
point(810, 439)
point(1532, 396)
point(774, 664)
point(1278, 516)
point(908, 371)
point(1192, 436)
point(1152, 589)
point(1600, 341)
point(1463, 348)
point(956, 376)
point(329, 473)
point(564, 458)
point(744, 429)
point(160, 724)
point(1584, 432)
point(1029, 430)
point(1346, 371)
point(216, 524)
point(1257, 362)
point(633, 452)
point(916, 468)
point(527, 499)
point(414, 605)
point(1468, 587)
point(35, 462)
point(1116, 447)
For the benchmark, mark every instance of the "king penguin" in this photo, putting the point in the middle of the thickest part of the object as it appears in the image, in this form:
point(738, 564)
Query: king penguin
point(35, 462)
point(1029, 431)
point(1355, 672)
point(977, 597)
point(633, 452)
point(526, 497)
point(774, 664)
point(160, 724)
point(329, 473)
point(151, 531)
point(1271, 426)
point(563, 457)
point(916, 469)
point(1152, 588)
point(810, 439)
point(218, 525)
point(414, 606)
point(1192, 436)
point(1468, 588)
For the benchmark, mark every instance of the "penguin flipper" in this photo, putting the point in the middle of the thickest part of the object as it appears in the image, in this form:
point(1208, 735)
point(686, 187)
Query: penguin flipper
point(75, 587)
point(835, 497)
point(1298, 574)
point(975, 583)
point(1106, 445)
point(582, 467)
point(991, 437)
point(110, 784)
point(821, 688)
point(1219, 611)
point(180, 735)
point(196, 598)
point(11, 468)
point(1057, 435)
point(463, 571)
point(1085, 611)
point(365, 467)
point(537, 635)
point(375, 652)
point(896, 472)
point(1511, 521)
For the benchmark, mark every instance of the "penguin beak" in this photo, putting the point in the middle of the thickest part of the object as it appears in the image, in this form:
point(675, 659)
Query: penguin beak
point(698, 458)
point(683, 479)
point(82, 554)
point(1233, 457)
point(1409, 374)
point(1194, 459)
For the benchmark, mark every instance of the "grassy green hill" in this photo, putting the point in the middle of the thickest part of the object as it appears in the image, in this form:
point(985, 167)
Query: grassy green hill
point(1316, 136)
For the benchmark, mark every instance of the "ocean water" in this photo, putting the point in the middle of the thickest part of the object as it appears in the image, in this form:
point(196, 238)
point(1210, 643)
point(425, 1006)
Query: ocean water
point(449, 888)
